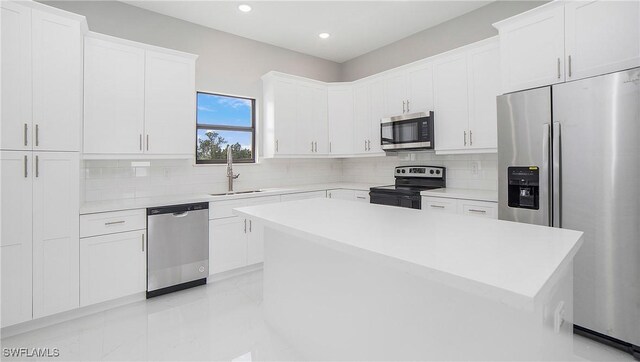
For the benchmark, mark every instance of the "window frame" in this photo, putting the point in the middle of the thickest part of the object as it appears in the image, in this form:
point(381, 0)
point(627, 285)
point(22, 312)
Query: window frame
point(220, 127)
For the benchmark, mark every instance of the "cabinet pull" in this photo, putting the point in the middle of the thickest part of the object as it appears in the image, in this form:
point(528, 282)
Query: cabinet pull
point(142, 237)
point(368, 145)
point(245, 226)
point(360, 197)
point(37, 166)
point(140, 141)
point(311, 146)
point(316, 146)
point(37, 135)
point(276, 145)
point(114, 223)
point(470, 138)
point(329, 147)
point(465, 138)
point(558, 68)
point(329, 192)
point(26, 172)
point(403, 111)
point(476, 210)
point(25, 134)
point(365, 145)
point(147, 142)
point(437, 206)
point(408, 106)
point(249, 225)
point(569, 66)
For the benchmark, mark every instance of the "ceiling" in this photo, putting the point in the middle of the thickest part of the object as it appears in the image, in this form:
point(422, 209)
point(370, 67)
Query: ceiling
point(356, 27)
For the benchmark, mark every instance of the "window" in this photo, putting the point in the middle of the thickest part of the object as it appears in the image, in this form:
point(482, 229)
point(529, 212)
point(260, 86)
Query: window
point(223, 121)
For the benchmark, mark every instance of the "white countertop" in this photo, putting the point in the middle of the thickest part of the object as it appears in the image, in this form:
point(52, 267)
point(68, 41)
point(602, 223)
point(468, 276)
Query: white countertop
point(465, 194)
point(144, 202)
point(506, 261)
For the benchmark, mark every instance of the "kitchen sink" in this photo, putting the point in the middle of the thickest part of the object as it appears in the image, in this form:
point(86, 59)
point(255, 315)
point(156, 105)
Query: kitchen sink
point(237, 193)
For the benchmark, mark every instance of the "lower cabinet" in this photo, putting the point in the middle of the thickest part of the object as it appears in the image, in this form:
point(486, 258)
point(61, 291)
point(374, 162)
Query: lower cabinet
point(459, 206)
point(112, 266)
point(304, 196)
point(352, 195)
point(227, 244)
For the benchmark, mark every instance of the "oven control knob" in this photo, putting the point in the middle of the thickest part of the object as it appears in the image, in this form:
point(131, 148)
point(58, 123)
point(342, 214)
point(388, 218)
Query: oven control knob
point(431, 172)
point(437, 172)
point(403, 171)
point(398, 171)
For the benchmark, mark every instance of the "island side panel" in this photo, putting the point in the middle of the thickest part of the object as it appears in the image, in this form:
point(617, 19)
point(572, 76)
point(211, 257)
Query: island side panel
point(335, 306)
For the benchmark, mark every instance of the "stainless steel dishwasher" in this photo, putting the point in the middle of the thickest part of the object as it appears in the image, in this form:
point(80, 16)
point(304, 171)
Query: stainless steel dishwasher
point(178, 247)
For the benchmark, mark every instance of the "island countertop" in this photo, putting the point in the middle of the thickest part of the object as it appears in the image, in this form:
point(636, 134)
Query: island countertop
point(505, 261)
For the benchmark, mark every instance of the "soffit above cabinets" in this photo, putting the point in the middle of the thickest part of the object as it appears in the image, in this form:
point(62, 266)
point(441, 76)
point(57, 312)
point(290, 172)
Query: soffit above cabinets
point(356, 27)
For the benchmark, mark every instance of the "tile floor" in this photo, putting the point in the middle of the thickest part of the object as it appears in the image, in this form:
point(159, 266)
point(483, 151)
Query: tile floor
point(219, 321)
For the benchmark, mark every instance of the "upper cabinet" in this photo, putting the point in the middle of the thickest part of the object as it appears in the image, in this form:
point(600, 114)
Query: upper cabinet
point(41, 85)
point(465, 84)
point(563, 41)
point(409, 91)
point(340, 119)
point(139, 101)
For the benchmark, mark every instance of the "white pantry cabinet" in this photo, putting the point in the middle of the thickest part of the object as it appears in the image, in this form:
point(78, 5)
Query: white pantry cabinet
point(465, 84)
point(340, 119)
point(41, 85)
point(139, 100)
point(562, 41)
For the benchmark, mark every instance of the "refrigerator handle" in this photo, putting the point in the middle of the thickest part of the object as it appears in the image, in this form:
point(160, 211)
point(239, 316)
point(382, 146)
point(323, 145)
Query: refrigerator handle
point(545, 180)
point(557, 175)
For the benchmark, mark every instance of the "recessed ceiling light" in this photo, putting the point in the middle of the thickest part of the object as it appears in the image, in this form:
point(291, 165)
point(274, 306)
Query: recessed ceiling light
point(244, 8)
point(324, 35)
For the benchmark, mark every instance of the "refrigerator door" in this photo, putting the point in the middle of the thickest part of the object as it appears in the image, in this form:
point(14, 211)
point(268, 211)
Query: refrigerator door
point(524, 140)
point(599, 149)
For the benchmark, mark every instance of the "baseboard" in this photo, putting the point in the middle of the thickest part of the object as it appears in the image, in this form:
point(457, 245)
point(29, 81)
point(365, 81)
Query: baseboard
point(609, 341)
point(233, 273)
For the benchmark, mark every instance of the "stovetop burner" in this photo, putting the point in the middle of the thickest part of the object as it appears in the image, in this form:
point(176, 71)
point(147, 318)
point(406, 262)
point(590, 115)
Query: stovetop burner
point(410, 181)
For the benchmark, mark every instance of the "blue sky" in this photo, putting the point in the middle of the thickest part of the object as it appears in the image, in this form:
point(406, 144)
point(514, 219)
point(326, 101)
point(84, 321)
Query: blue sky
point(215, 109)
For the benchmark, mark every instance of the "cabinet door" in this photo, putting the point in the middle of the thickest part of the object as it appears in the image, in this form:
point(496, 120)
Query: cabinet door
point(15, 128)
point(478, 208)
point(113, 97)
point(227, 244)
point(395, 95)
point(362, 118)
point(377, 113)
point(303, 122)
point(57, 82)
point(255, 242)
point(532, 50)
point(451, 113)
point(285, 117)
point(341, 120)
point(56, 192)
point(112, 266)
point(420, 98)
point(601, 37)
point(15, 242)
point(319, 122)
point(169, 112)
point(341, 194)
point(440, 204)
point(304, 196)
point(484, 86)
point(362, 196)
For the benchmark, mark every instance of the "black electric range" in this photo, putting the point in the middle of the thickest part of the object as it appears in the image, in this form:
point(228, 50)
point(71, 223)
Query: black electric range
point(410, 181)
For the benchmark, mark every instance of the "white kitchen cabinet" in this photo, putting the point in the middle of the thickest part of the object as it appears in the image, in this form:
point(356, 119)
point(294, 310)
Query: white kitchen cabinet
point(112, 266)
point(255, 242)
point(601, 37)
point(16, 238)
point(439, 204)
point(281, 110)
point(55, 212)
point(341, 194)
point(532, 48)
point(41, 85)
point(361, 118)
point(228, 244)
point(460, 206)
point(362, 196)
point(376, 114)
point(465, 88)
point(395, 94)
point(303, 196)
point(15, 129)
point(113, 97)
point(340, 119)
point(420, 89)
point(311, 120)
point(169, 104)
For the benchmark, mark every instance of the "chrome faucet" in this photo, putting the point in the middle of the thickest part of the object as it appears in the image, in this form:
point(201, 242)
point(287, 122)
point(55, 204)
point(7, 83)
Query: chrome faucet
point(230, 175)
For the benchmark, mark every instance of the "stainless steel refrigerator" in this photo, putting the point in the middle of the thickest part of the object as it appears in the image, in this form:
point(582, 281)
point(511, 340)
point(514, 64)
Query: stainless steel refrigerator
point(569, 156)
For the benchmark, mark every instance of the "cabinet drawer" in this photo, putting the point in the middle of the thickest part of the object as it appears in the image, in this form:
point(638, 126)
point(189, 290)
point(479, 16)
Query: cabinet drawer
point(112, 222)
point(362, 196)
point(304, 196)
point(222, 209)
point(478, 208)
point(440, 204)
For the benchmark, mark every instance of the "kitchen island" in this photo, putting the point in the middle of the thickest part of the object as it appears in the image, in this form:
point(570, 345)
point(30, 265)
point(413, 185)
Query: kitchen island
point(351, 281)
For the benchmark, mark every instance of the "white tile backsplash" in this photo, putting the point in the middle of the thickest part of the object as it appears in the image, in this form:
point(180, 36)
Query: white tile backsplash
point(109, 180)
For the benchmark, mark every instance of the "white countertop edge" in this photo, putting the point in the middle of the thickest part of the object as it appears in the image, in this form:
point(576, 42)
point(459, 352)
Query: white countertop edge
point(503, 296)
point(464, 194)
point(95, 207)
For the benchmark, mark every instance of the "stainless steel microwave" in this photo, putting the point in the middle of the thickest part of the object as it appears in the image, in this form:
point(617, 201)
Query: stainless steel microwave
point(407, 132)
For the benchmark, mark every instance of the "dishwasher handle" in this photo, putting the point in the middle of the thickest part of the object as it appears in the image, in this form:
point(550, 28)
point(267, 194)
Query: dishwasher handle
point(180, 214)
point(178, 210)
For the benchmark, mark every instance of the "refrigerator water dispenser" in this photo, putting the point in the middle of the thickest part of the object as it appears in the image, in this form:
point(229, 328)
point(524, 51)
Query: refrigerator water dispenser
point(524, 187)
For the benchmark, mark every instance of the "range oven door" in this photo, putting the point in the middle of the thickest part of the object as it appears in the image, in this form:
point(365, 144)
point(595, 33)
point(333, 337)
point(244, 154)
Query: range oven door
point(412, 131)
point(382, 198)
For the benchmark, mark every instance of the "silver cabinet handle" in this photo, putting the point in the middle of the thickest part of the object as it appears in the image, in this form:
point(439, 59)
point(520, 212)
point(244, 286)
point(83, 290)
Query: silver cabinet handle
point(276, 145)
point(140, 141)
point(403, 111)
point(25, 134)
point(147, 142)
point(110, 223)
point(470, 138)
point(245, 226)
point(407, 106)
point(37, 135)
point(479, 211)
point(311, 146)
point(142, 237)
point(437, 206)
point(558, 68)
point(316, 146)
point(37, 166)
point(328, 194)
point(365, 145)
point(465, 138)
point(249, 225)
point(360, 197)
point(26, 172)
point(569, 66)
point(329, 147)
